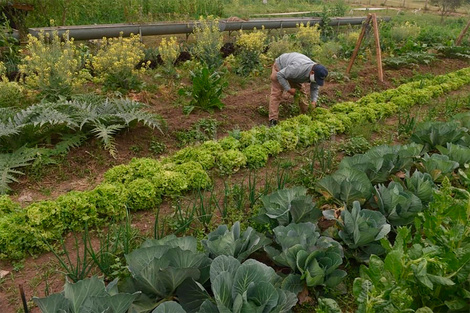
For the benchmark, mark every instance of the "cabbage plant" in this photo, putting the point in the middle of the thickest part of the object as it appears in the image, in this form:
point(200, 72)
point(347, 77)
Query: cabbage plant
point(457, 153)
point(421, 184)
point(234, 242)
point(88, 295)
point(290, 205)
point(159, 267)
point(380, 162)
point(347, 185)
point(399, 206)
point(433, 134)
point(248, 287)
point(361, 229)
point(315, 257)
point(438, 166)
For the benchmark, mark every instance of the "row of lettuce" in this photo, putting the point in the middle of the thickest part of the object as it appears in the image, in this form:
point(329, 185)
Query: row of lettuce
point(410, 191)
point(142, 183)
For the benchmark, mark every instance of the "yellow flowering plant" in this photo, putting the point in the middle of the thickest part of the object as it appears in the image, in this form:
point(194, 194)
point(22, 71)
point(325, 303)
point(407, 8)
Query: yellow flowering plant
point(169, 51)
point(115, 63)
point(209, 40)
point(51, 64)
point(307, 37)
point(251, 45)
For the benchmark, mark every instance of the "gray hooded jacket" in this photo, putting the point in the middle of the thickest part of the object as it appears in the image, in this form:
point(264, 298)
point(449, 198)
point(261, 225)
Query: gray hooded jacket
point(295, 67)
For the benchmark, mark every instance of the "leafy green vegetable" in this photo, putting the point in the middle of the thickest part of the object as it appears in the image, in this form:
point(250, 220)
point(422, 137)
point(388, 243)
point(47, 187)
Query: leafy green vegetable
point(433, 134)
point(88, 295)
point(421, 184)
point(230, 161)
point(399, 206)
point(159, 267)
point(256, 155)
point(457, 153)
point(233, 242)
point(361, 229)
point(438, 166)
point(347, 185)
point(248, 287)
point(285, 206)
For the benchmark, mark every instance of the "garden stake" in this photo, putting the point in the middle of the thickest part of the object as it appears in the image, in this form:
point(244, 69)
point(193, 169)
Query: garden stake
point(464, 31)
point(370, 17)
point(23, 299)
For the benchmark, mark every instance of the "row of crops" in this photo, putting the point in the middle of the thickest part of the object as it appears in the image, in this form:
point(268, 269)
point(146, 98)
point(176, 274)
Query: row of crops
point(143, 182)
point(402, 212)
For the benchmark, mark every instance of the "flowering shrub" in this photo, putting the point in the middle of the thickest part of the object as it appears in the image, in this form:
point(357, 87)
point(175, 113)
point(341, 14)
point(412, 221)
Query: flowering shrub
point(11, 93)
point(280, 46)
point(209, 40)
point(116, 60)
point(251, 46)
point(169, 51)
point(308, 37)
point(51, 64)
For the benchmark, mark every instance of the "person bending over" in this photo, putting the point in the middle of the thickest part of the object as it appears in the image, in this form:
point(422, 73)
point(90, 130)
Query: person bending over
point(291, 72)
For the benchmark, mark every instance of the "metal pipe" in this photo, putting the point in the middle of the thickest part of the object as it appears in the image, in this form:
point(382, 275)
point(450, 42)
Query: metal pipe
point(85, 32)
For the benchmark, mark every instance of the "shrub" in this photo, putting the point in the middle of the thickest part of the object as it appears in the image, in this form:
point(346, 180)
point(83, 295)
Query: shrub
point(51, 65)
point(251, 46)
point(280, 46)
point(169, 52)
point(11, 93)
point(209, 40)
point(308, 37)
point(116, 60)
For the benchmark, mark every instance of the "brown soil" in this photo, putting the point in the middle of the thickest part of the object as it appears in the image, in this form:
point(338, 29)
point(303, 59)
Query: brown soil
point(83, 167)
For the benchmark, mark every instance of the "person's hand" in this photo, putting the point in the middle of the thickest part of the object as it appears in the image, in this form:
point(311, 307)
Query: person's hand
point(292, 91)
point(314, 104)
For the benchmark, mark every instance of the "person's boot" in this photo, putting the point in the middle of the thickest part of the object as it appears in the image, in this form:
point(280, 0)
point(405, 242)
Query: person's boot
point(272, 123)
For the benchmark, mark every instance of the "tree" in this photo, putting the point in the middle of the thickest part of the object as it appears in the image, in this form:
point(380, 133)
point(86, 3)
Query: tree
point(448, 6)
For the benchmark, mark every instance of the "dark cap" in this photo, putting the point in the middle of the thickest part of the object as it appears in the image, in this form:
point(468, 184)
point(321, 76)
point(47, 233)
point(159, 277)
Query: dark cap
point(320, 74)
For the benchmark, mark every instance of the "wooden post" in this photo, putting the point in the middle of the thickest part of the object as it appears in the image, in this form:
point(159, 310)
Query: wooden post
point(377, 47)
point(358, 43)
point(464, 31)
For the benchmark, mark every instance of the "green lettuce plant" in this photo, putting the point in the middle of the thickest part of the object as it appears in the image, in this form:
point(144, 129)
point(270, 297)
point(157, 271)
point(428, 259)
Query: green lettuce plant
point(398, 205)
point(256, 156)
point(230, 161)
point(361, 230)
point(234, 242)
point(285, 206)
point(88, 295)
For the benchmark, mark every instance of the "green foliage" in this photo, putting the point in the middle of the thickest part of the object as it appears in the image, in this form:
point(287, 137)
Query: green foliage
point(399, 206)
point(457, 153)
point(409, 59)
point(346, 185)
point(11, 94)
point(206, 90)
point(159, 267)
point(438, 166)
point(355, 145)
point(380, 162)
point(9, 164)
point(233, 242)
point(421, 184)
point(248, 287)
point(303, 250)
point(361, 229)
point(433, 134)
point(86, 295)
point(256, 155)
point(230, 161)
point(285, 206)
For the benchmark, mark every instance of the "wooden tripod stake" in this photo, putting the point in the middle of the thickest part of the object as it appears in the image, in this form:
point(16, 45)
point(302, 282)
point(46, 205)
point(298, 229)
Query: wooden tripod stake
point(373, 18)
point(464, 31)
